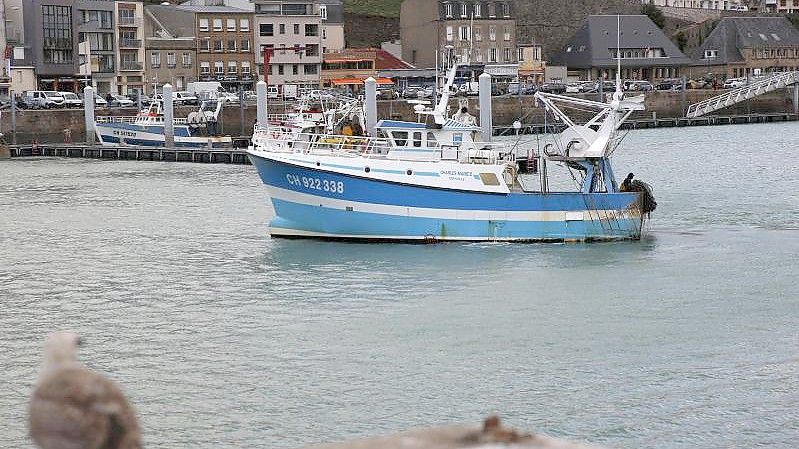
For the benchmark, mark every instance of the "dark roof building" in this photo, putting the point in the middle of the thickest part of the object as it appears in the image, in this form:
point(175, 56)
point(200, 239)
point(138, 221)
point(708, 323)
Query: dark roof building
point(744, 46)
point(645, 51)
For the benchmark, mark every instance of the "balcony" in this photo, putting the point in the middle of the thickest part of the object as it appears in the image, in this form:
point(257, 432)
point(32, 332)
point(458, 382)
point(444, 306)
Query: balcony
point(131, 65)
point(129, 21)
point(129, 43)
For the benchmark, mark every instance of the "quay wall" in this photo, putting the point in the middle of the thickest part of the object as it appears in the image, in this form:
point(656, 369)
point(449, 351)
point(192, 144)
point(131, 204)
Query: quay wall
point(46, 126)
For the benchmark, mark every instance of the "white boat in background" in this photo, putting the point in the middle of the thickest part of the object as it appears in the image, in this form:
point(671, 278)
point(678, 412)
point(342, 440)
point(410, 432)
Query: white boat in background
point(146, 128)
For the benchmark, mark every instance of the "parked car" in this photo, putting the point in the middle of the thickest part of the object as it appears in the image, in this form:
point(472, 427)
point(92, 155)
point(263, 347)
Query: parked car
point(38, 99)
point(529, 89)
point(640, 86)
point(733, 83)
point(411, 92)
point(669, 84)
point(121, 101)
point(99, 101)
point(387, 94)
point(573, 88)
point(229, 97)
point(136, 97)
point(183, 97)
point(272, 93)
point(553, 88)
point(71, 100)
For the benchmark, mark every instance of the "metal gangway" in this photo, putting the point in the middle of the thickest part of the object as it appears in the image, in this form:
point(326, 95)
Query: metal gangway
point(753, 89)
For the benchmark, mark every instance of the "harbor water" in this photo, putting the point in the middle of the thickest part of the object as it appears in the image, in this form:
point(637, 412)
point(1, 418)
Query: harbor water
point(225, 338)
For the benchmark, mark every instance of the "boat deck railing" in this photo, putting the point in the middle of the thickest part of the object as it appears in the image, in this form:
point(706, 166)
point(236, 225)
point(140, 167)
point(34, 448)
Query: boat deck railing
point(277, 139)
point(138, 120)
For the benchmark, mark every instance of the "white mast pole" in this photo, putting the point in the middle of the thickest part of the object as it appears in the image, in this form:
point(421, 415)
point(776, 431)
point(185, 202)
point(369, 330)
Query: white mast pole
point(618, 53)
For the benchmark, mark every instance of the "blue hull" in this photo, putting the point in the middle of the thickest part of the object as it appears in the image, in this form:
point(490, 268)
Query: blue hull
point(325, 204)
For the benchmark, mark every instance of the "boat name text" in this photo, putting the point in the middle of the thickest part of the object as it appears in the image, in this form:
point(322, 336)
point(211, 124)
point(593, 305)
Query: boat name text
point(324, 185)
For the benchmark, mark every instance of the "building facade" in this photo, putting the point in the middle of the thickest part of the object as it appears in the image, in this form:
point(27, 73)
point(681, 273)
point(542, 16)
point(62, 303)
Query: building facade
point(482, 32)
point(642, 50)
point(332, 14)
point(224, 44)
point(747, 46)
point(292, 32)
point(781, 6)
point(351, 66)
point(531, 64)
point(129, 24)
point(170, 47)
point(701, 4)
point(96, 44)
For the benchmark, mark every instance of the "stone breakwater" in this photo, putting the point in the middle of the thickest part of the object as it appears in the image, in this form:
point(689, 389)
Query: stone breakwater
point(48, 126)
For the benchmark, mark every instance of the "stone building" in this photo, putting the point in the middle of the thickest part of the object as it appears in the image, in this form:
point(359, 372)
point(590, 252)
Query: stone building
point(482, 32)
point(224, 38)
point(170, 46)
point(645, 52)
point(745, 46)
point(531, 64)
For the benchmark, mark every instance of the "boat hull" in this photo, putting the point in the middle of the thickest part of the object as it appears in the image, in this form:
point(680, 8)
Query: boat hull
point(153, 136)
point(315, 203)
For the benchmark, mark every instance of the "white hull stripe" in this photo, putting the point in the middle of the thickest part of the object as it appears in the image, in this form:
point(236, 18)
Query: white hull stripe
point(450, 214)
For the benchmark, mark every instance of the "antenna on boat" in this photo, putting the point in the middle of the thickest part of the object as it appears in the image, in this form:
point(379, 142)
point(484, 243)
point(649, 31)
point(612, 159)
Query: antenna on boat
point(618, 53)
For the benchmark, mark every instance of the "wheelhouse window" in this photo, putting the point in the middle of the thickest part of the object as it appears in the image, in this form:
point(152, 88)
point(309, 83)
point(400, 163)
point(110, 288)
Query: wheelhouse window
point(400, 138)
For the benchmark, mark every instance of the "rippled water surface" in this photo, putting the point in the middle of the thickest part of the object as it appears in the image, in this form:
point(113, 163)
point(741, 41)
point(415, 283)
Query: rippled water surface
point(224, 338)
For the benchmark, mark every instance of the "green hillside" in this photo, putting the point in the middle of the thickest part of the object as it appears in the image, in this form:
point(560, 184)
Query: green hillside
point(385, 8)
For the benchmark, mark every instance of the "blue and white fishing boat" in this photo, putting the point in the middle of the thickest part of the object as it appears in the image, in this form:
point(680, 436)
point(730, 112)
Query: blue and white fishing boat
point(147, 128)
point(429, 182)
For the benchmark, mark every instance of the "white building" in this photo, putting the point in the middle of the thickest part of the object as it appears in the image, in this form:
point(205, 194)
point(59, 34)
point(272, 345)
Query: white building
point(701, 4)
point(293, 32)
point(129, 22)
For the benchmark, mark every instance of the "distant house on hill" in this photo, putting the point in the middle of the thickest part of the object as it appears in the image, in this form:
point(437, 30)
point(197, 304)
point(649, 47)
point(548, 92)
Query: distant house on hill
point(645, 51)
point(744, 46)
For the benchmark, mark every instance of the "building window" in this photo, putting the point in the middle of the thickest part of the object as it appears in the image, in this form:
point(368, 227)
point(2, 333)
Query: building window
point(98, 41)
point(280, 69)
point(231, 24)
point(217, 24)
point(205, 68)
point(296, 28)
point(102, 18)
point(57, 34)
point(476, 9)
point(324, 33)
point(311, 30)
point(245, 45)
point(492, 10)
point(295, 69)
point(505, 10)
point(155, 59)
point(463, 10)
point(282, 28)
point(218, 45)
point(311, 69)
point(312, 50)
point(205, 45)
point(711, 53)
point(232, 68)
point(127, 16)
point(477, 35)
point(506, 33)
point(171, 60)
point(203, 24)
point(463, 31)
point(186, 59)
point(266, 29)
point(244, 25)
point(231, 45)
point(506, 54)
point(413, 56)
point(245, 67)
point(219, 68)
point(521, 54)
point(323, 11)
point(492, 33)
point(450, 36)
point(492, 55)
point(449, 8)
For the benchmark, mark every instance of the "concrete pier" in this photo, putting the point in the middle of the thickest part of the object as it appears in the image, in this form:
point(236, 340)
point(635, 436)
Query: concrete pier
point(127, 153)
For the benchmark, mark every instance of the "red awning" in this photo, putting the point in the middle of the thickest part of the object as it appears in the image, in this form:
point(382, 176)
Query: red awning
point(358, 81)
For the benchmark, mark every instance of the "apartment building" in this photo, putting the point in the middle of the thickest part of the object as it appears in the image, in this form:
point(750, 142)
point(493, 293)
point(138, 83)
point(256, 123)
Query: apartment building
point(332, 14)
point(482, 32)
point(531, 64)
point(170, 46)
point(781, 6)
point(292, 31)
point(701, 4)
point(129, 25)
point(224, 44)
point(50, 43)
point(96, 44)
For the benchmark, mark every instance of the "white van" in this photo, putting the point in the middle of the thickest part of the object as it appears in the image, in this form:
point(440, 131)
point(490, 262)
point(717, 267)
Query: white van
point(272, 93)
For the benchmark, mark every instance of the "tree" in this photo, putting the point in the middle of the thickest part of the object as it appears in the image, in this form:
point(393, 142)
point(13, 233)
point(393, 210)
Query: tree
point(681, 39)
point(655, 14)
